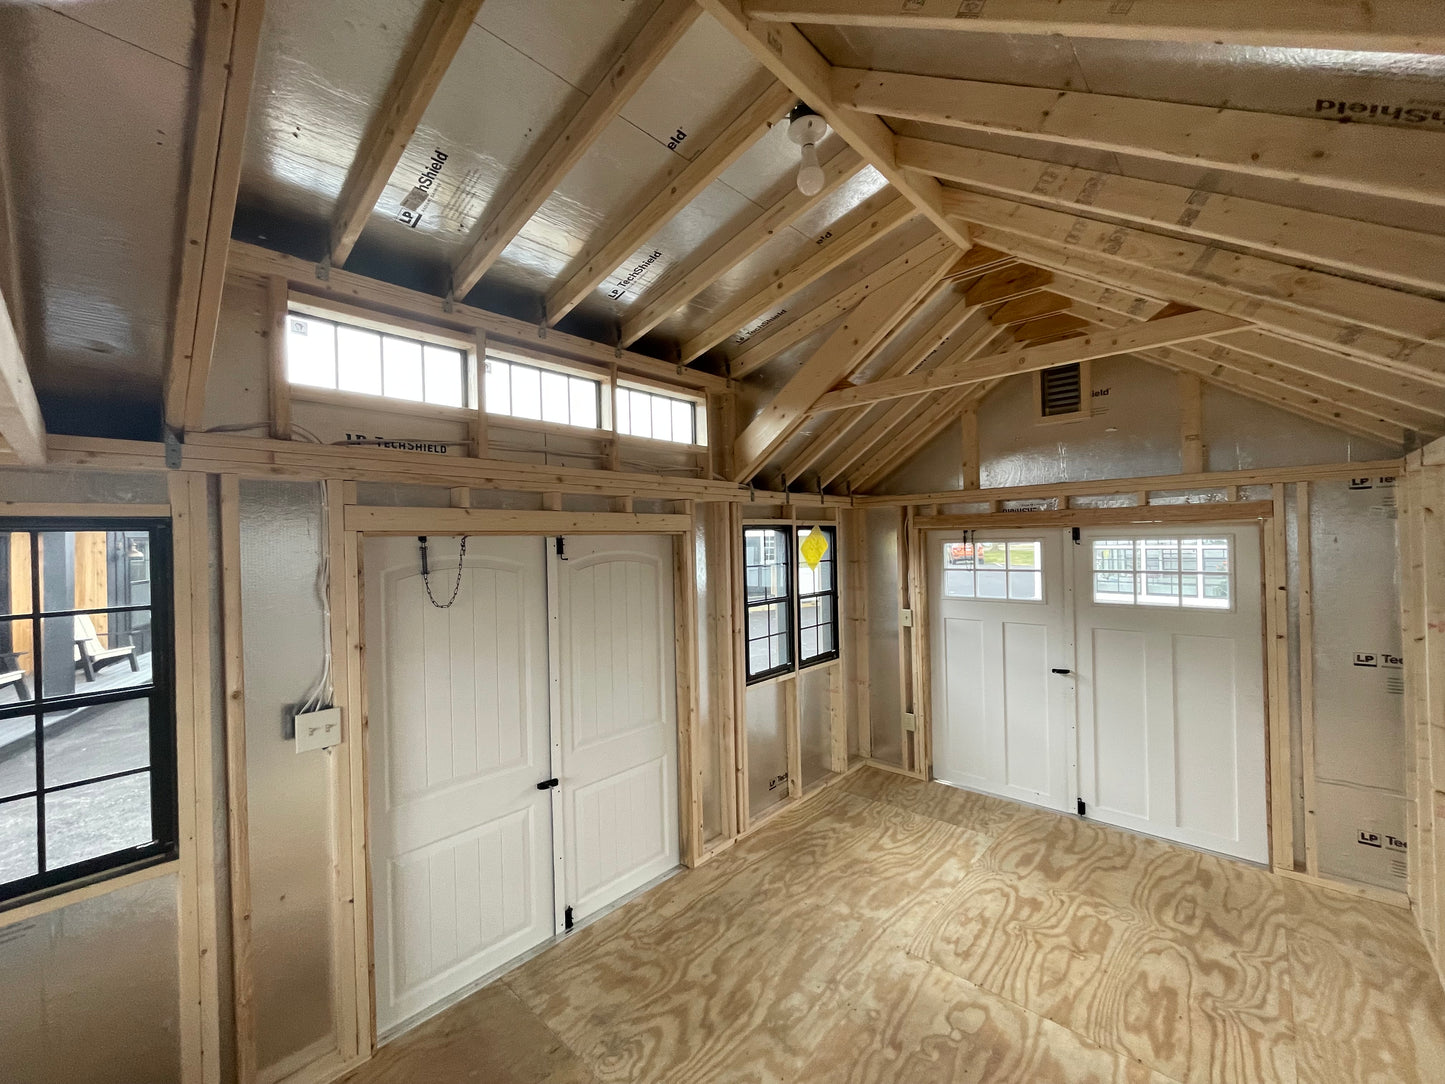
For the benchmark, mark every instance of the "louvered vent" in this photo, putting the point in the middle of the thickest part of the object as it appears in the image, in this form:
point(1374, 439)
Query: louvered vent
point(1061, 390)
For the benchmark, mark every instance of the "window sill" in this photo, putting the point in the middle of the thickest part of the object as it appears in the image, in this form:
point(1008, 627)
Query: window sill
point(20, 911)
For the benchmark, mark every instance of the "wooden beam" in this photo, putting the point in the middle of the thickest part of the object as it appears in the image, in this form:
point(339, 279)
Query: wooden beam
point(968, 447)
point(278, 382)
point(557, 154)
point(1008, 285)
point(727, 148)
point(1031, 307)
point(925, 420)
point(1394, 26)
point(1203, 512)
point(1050, 327)
point(1192, 452)
point(439, 34)
point(755, 357)
point(21, 423)
point(1194, 325)
point(1145, 270)
point(837, 171)
point(257, 262)
point(378, 519)
point(794, 60)
point(778, 285)
point(228, 65)
point(1347, 246)
point(1372, 160)
point(835, 359)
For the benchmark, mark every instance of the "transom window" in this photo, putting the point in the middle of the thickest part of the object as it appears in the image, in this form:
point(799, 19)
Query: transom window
point(660, 417)
point(792, 608)
point(519, 390)
point(994, 570)
point(336, 356)
point(1193, 573)
point(87, 763)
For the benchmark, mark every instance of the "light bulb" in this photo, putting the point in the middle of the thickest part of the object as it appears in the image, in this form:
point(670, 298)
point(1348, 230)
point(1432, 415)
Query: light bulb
point(810, 174)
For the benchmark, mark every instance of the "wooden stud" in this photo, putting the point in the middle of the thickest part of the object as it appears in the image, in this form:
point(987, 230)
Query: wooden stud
point(477, 424)
point(1191, 424)
point(1305, 572)
point(968, 447)
point(1276, 633)
point(740, 657)
point(689, 730)
point(855, 610)
point(558, 153)
point(429, 54)
point(279, 383)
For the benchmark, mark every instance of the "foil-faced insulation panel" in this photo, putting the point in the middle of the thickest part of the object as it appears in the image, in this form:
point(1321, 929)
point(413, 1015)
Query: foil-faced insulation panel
point(92, 991)
point(885, 706)
point(288, 794)
point(95, 166)
point(766, 718)
point(815, 720)
point(1242, 433)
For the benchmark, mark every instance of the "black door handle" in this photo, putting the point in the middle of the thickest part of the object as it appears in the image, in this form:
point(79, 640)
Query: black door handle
point(1058, 671)
point(548, 784)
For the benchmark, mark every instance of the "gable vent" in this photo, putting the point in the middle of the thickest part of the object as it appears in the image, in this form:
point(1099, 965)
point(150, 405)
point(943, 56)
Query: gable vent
point(1061, 390)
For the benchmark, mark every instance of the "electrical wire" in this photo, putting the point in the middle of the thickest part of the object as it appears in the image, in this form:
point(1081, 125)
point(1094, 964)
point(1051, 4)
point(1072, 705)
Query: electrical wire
point(321, 695)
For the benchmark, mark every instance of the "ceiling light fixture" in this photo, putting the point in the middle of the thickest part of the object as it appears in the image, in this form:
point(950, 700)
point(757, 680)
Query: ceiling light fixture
point(806, 129)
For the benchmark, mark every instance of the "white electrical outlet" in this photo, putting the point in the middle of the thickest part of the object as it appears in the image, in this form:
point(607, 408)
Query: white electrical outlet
point(910, 722)
point(905, 618)
point(318, 730)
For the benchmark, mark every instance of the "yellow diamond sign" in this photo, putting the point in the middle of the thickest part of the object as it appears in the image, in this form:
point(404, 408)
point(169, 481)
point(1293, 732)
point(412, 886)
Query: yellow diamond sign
point(814, 547)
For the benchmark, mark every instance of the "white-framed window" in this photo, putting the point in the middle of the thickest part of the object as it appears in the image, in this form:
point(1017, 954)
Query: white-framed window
point(642, 412)
point(1192, 573)
point(518, 389)
point(337, 355)
point(994, 570)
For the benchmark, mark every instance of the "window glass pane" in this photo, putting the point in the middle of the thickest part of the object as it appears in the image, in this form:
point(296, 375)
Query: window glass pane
point(1159, 590)
point(499, 387)
point(809, 638)
point(526, 392)
point(401, 369)
point(97, 739)
point(958, 554)
point(758, 656)
point(1023, 554)
point(1114, 555)
point(992, 584)
point(957, 583)
point(358, 360)
point(310, 351)
point(17, 756)
point(19, 836)
point(757, 622)
point(97, 818)
point(779, 650)
point(15, 573)
point(623, 421)
point(661, 418)
point(89, 653)
point(641, 414)
point(444, 371)
point(584, 401)
point(825, 609)
point(807, 578)
point(808, 615)
point(991, 554)
point(17, 671)
point(682, 421)
point(1026, 586)
point(555, 397)
point(1114, 587)
point(825, 639)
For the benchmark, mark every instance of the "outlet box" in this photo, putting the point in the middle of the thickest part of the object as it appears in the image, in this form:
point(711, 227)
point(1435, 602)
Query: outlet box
point(905, 618)
point(318, 730)
point(910, 722)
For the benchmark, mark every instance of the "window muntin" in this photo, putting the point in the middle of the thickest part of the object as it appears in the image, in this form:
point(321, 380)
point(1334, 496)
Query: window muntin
point(1192, 573)
point(994, 570)
point(87, 765)
point(817, 603)
point(767, 576)
point(657, 416)
point(335, 356)
point(519, 390)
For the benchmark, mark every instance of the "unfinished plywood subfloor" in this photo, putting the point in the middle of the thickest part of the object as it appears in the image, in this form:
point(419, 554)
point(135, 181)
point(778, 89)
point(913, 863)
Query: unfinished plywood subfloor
point(893, 931)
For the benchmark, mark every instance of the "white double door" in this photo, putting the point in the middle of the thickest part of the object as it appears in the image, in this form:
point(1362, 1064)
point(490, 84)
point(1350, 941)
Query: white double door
point(546, 667)
point(1049, 688)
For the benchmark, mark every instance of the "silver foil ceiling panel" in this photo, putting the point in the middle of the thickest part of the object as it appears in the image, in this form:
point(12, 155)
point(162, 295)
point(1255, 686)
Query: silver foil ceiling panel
point(95, 128)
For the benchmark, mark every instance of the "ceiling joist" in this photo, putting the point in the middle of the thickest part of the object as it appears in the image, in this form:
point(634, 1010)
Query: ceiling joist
point(443, 28)
point(709, 164)
point(1369, 159)
point(558, 154)
point(1395, 26)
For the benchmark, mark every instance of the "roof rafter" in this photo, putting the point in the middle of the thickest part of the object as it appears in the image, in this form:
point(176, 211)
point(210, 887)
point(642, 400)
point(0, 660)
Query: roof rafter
point(21, 423)
point(1370, 159)
point(1396, 26)
point(709, 164)
point(924, 422)
point(557, 155)
point(1344, 245)
point(430, 53)
point(651, 311)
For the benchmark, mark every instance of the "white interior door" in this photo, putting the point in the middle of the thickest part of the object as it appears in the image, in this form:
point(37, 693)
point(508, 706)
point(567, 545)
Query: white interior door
point(461, 838)
point(616, 692)
point(1003, 719)
point(1171, 685)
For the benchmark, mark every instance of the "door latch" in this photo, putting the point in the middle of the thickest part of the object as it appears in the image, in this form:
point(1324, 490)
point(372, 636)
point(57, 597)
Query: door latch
point(548, 784)
point(1059, 670)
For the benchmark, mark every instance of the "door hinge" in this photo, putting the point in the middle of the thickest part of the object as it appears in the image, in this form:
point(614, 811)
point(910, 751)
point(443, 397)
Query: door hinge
point(561, 547)
point(567, 918)
point(1082, 811)
point(548, 784)
point(1076, 535)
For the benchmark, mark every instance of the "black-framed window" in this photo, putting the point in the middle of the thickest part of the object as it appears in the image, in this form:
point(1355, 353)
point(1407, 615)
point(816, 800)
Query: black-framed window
point(87, 724)
point(792, 608)
point(817, 602)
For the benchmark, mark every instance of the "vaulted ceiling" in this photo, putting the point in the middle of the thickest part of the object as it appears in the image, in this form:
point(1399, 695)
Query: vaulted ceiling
point(1245, 192)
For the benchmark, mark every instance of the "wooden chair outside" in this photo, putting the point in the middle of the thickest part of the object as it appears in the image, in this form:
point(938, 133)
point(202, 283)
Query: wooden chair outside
point(91, 655)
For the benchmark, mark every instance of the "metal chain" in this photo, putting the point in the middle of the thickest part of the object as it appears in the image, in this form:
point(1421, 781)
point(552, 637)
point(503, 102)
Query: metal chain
point(426, 580)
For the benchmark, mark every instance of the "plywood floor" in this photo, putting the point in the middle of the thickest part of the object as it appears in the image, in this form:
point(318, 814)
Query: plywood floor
point(889, 931)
